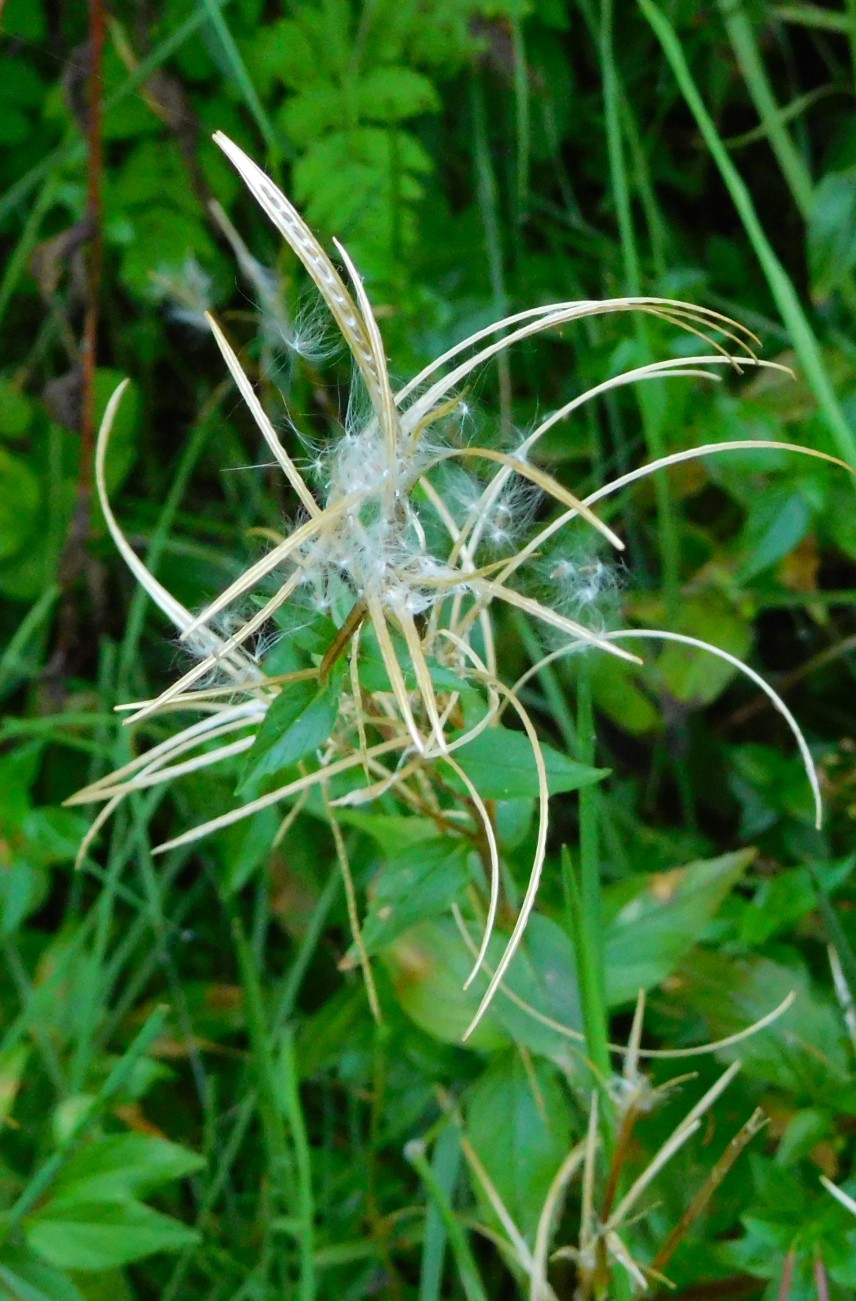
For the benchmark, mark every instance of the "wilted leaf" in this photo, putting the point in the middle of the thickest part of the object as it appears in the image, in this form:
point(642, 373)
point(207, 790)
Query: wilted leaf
point(803, 1052)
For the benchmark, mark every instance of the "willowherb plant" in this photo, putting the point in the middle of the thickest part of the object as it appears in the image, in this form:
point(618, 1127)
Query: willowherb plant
point(407, 536)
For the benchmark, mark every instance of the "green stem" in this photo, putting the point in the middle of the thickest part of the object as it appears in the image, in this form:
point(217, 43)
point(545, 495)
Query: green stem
point(651, 419)
point(464, 1259)
point(44, 1177)
point(745, 48)
point(783, 292)
point(584, 896)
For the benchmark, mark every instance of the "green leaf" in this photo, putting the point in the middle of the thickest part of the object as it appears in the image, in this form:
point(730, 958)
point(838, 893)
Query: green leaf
point(658, 919)
point(393, 94)
point(24, 1277)
point(415, 884)
point(23, 887)
point(429, 964)
point(309, 630)
point(122, 1166)
point(53, 835)
point(501, 765)
point(24, 19)
point(690, 673)
point(13, 1061)
point(394, 834)
point(802, 1053)
point(103, 1235)
point(19, 503)
point(832, 232)
point(246, 847)
point(297, 723)
point(778, 520)
point(16, 410)
point(518, 1122)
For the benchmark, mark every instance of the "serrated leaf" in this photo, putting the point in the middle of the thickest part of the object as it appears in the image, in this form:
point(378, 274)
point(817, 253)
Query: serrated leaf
point(296, 724)
point(419, 882)
point(314, 110)
point(501, 765)
point(393, 94)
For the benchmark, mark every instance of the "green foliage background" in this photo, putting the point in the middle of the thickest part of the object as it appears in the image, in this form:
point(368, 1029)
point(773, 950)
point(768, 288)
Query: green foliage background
point(194, 1099)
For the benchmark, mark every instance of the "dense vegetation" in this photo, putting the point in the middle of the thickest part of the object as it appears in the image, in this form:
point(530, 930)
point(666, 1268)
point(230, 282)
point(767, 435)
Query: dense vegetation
point(236, 1070)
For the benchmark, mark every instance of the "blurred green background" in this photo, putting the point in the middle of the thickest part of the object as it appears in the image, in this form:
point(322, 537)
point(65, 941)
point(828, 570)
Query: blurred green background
point(187, 1080)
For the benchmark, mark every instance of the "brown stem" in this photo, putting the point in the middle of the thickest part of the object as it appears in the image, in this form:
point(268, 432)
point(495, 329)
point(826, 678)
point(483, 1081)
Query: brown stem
point(73, 560)
point(787, 1276)
point(616, 1165)
point(821, 1280)
point(753, 1125)
point(343, 637)
point(95, 167)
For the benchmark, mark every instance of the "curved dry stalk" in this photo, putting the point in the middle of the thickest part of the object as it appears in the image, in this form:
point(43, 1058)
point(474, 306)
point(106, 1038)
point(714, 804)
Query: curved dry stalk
point(536, 320)
point(528, 903)
point(252, 577)
point(159, 775)
point(413, 642)
point(386, 409)
point(204, 666)
point(516, 1240)
point(672, 368)
point(393, 668)
point(299, 237)
point(493, 851)
point(545, 614)
point(651, 1054)
point(690, 1124)
point(149, 767)
point(660, 634)
point(773, 696)
point(351, 904)
point(716, 319)
point(268, 432)
point(282, 793)
point(540, 1289)
point(163, 599)
point(514, 463)
point(844, 1199)
point(536, 542)
point(250, 711)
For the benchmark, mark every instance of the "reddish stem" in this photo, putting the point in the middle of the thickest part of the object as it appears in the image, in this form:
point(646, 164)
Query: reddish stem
point(787, 1277)
point(94, 140)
